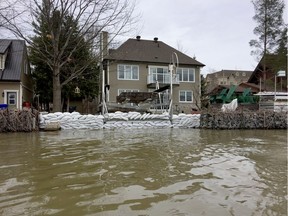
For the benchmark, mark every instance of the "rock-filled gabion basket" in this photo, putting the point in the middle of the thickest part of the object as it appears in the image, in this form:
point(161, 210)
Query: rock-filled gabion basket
point(244, 120)
point(25, 120)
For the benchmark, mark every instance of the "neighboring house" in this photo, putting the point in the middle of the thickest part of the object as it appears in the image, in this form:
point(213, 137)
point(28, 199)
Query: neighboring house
point(16, 84)
point(226, 78)
point(273, 64)
point(141, 65)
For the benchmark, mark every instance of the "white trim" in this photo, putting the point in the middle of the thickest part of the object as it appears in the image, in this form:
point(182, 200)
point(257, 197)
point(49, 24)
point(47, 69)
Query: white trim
point(192, 97)
point(21, 95)
point(17, 97)
point(193, 70)
point(126, 65)
point(108, 81)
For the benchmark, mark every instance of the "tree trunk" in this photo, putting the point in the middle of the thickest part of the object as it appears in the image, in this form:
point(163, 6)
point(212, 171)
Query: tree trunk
point(56, 90)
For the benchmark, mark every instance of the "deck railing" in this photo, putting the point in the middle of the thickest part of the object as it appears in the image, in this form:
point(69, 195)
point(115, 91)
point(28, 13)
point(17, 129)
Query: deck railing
point(162, 79)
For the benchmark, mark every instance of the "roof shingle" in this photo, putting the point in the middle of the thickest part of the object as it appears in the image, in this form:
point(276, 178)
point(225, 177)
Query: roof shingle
point(4, 44)
point(150, 51)
point(13, 64)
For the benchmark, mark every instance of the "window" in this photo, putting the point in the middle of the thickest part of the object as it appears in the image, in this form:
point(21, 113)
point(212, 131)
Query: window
point(159, 74)
point(185, 96)
point(128, 72)
point(26, 67)
point(11, 98)
point(186, 74)
point(1, 62)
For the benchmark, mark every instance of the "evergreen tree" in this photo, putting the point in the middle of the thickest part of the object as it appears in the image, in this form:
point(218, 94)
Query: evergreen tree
point(269, 29)
point(270, 25)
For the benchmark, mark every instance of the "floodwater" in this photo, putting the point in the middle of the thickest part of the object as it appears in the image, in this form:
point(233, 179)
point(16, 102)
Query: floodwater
point(157, 172)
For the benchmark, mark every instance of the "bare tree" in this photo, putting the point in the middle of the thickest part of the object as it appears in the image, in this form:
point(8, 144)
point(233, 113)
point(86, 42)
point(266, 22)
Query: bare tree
point(92, 17)
point(7, 12)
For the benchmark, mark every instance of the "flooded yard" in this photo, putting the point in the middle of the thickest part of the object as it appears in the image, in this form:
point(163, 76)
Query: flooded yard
point(144, 172)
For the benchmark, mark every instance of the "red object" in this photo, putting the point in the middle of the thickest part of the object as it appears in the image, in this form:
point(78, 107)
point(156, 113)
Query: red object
point(26, 104)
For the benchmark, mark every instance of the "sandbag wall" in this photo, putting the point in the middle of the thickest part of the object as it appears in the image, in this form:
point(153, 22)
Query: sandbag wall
point(244, 120)
point(72, 120)
point(75, 120)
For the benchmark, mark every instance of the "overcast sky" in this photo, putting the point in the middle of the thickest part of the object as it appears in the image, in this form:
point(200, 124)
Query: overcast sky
point(217, 32)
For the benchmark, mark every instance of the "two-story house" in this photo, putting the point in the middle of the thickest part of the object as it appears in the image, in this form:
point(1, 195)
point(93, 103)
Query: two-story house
point(16, 85)
point(143, 66)
point(227, 78)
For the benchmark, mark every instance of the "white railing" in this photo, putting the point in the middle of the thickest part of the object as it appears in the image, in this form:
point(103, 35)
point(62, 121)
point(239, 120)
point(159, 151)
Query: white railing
point(162, 78)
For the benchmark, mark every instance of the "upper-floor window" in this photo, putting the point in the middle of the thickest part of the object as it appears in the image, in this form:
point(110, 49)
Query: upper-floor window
point(128, 72)
point(186, 74)
point(2, 62)
point(159, 74)
point(26, 67)
point(185, 96)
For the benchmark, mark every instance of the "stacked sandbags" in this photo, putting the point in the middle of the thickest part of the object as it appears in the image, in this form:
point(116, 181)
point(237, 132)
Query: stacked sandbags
point(186, 121)
point(72, 120)
point(75, 120)
point(136, 120)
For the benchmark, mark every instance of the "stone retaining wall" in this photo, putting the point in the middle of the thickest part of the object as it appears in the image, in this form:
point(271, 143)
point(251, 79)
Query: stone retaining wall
point(244, 120)
point(25, 120)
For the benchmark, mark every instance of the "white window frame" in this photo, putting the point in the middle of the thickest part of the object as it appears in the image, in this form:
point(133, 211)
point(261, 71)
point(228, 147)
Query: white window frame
point(2, 62)
point(180, 72)
point(26, 67)
point(186, 101)
point(6, 92)
point(156, 75)
point(128, 72)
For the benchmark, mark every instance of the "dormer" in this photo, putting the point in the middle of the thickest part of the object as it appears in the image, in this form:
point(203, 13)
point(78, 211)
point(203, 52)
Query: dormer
point(3, 58)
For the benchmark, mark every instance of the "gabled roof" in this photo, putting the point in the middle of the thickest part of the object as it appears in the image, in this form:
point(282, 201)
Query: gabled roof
point(150, 51)
point(13, 63)
point(273, 63)
point(4, 44)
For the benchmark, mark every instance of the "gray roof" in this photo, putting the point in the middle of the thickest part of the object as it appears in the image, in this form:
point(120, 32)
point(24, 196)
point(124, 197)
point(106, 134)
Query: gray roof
point(4, 44)
point(152, 51)
point(13, 64)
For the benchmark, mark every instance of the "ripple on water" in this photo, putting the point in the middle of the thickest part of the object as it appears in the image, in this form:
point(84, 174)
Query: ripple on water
point(147, 172)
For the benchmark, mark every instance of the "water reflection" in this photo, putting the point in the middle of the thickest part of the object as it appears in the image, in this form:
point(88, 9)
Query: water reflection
point(144, 172)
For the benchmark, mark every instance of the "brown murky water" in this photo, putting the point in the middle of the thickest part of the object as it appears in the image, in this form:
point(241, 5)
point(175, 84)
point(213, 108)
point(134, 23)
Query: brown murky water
point(144, 172)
